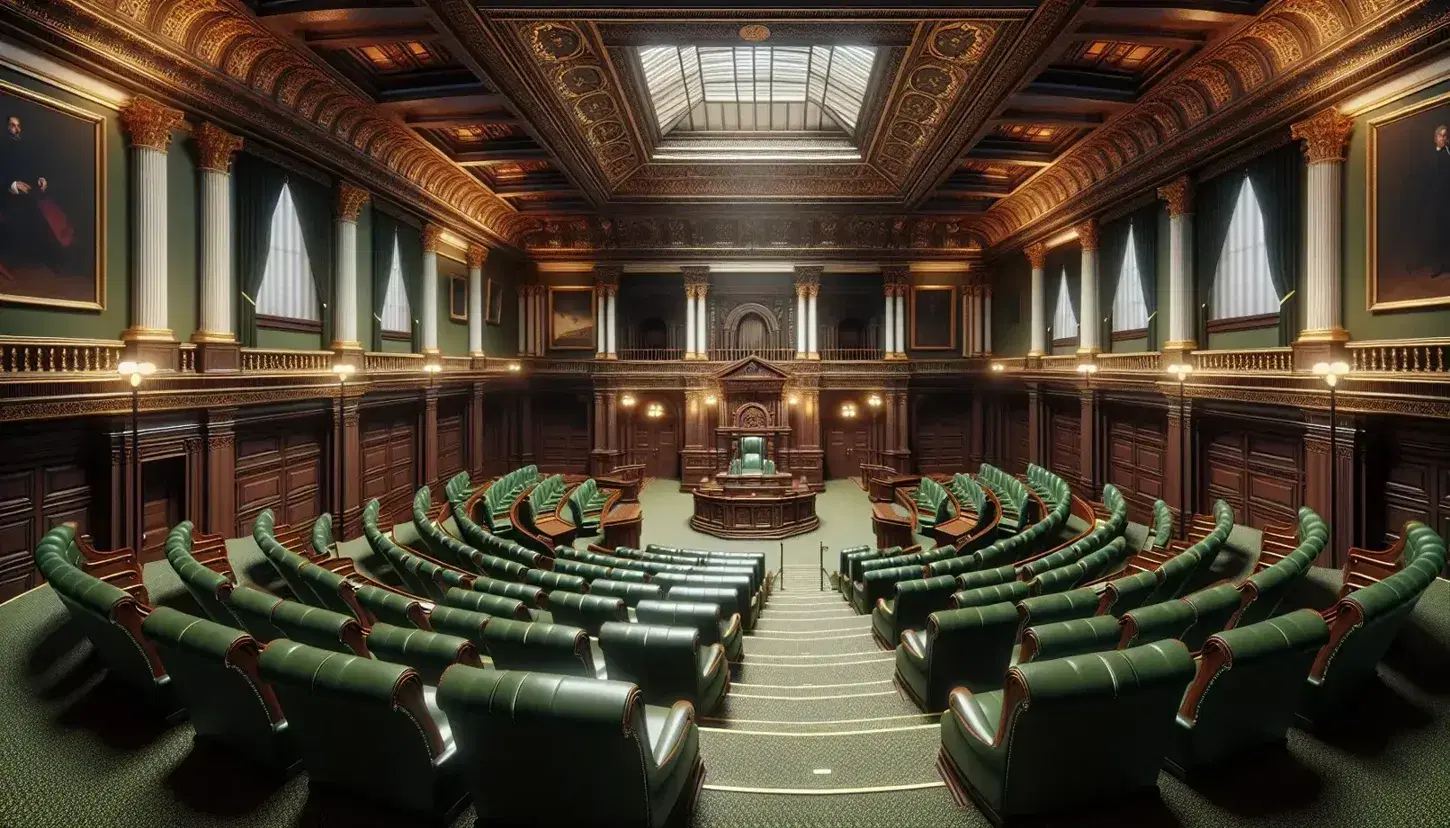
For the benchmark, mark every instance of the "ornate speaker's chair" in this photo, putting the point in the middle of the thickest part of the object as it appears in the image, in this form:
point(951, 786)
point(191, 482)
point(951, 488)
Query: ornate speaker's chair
point(751, 458)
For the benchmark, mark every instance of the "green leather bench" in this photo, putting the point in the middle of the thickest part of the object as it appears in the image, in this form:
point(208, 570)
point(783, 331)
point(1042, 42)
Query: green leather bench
point(727, 599)
point(1162, 533)
point(456, 553)
point(1367, 620)
point(630, 593)
point(209, 588)
point(106, 614)
point(713, 626)
point(1038, 747)
point(498, 606)
point(588, 612)
point(643, 761)
point(740, 583)
point(430, 653)
point(545, 648)
point(363, 728)
point(669, 664)
point(968, 647)
point(215, 674)
point(1247, 689)
point(914, 601)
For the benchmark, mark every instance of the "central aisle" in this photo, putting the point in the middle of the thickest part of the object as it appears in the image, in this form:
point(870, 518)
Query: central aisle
point(814, 730)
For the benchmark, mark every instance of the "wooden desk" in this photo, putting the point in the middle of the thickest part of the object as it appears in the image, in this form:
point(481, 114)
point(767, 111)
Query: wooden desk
point(891, 529)
point(621, 525)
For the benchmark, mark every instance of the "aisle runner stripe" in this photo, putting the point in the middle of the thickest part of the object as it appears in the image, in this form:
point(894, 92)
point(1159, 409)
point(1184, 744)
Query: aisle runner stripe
point(818, 732)
point(884, 656)
point(760, 637)
point(757, 664)
point(824, 791)
point(812, 698)
point(810, 686)
point(829, 722)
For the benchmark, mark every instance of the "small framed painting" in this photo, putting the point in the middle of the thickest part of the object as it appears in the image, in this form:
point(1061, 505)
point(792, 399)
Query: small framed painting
point(1409, 180)
point(571, 318)
point(933, 317)
point(493, 299)
point(458, 298)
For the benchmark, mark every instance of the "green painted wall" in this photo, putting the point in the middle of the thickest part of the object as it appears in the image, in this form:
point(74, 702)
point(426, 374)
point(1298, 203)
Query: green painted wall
point(1130, 346)
point(503, 339)
point(33, 320)
point(183, 238)
point(365, 276)
point(1358, 320)
point(1011, 305)
point(452, 336)
point(1163, 254)
point(290, 340)
point(1235, 340)
point(397, 346)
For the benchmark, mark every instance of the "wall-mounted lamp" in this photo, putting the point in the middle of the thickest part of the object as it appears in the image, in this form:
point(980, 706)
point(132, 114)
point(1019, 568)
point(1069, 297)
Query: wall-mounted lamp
point(998, 367)
point(1180, 370)
point(793, 399)
point(848, 410)
point(627, 401)
point(1331, 371)
point(431, 367)
point(1087, 368)
point(655, 411)
point(135, 371)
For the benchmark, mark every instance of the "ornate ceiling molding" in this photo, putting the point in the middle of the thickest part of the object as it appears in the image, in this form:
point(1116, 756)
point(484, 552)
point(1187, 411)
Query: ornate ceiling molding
point(1250, 81)
point(216, 57)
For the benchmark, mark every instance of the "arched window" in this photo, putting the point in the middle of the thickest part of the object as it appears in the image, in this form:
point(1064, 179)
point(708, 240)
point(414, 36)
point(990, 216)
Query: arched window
point(1064, 321)
point(1242, 285)
point(397, 317)
point(287, 290)
point(1130, 307)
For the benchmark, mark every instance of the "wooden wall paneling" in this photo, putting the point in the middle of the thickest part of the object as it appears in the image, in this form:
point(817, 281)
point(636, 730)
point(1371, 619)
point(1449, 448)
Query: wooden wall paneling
point(48, 475)
point(1064, 439)
point(1256, 466)
point(452, 420)
point(560, 428)
point(1408, 466)
point(495, 438)
point(942, 436)
point(388, 453)
point(1018, 435)
point(280, 466)
point(1135, 457)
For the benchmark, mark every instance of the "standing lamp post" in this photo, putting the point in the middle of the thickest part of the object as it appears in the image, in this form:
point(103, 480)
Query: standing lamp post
point(873, 403)
point(1181, 372)
point(627, 403)
point(135, 372)
point(1332, 371)
point(343, 371)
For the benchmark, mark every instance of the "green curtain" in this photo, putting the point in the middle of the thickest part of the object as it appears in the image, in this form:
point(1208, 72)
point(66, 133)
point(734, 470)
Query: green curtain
point(314, 202)
point(1213, 211)
point(1145, 240)
point(1278, 183)
point(1110, 270)
point(256, 186)
point(384, 226)
point(410, 251)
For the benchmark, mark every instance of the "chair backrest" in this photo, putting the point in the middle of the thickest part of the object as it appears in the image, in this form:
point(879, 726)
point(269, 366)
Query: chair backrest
point(1162, 524)
point(703, 618)
point(1056, 714)
point(509, 725)
point(430, 653)
point(206, 586)
point(357, 721)
point(215, 672)
point(545, 648)
point(588, 612)
point(319, 627)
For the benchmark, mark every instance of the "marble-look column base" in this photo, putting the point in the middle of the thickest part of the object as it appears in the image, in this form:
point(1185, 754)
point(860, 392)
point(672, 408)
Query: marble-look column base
point(895, 357)
point(1314, 347)
point(217, 355)
point(349, 353)
point(1089, 352)
point(157, 347)
point(1176, 353)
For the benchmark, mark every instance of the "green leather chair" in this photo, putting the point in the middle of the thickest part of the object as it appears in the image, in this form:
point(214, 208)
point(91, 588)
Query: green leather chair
point(207, 587)
point(668, 664)
point(1067, 733)
point(1062, 639)
point(107, 615)
point(363, 728)
point(1367, 620)
point(752, 455)
point(430, 653)
point(320, 628)
point(543, 648)
point(643, 762)
point(1247, 689)
point(253, 609)
point(215, 675)
point(1059, 606)
point(487, 603)
point(630, 593)
point(389, 607)
point(914, 601)
point(705, 618)
point(878, 584)
point(588, 612)
point(964, 647)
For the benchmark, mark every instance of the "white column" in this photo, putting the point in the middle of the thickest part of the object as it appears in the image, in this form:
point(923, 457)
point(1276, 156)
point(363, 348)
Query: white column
point(477, 255)
point(889, 323)
point(350, 201)
point(611, 321)
point(1091, 323)
point(1037, 256)
point(801, 348)
point(813, 333)
point(1181, 297)
point(541, 329)
point(1324, 135)
point(901, 321)
point(702, 327)
point(215, 148)
point(601, 313)
point(432, 233)
point(149, 125)
point(689, 321)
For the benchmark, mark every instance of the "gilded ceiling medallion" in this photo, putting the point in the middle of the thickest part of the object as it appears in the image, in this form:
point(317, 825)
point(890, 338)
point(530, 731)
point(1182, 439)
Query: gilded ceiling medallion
point(754, 33)
point(596, 107)
point(933, 80)
point(961, 42)
point(556, 41)
point(581, 80)
point(919, 108)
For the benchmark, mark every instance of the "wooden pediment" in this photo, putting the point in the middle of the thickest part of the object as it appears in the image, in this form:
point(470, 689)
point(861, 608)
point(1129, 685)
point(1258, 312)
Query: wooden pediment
point(751, 371)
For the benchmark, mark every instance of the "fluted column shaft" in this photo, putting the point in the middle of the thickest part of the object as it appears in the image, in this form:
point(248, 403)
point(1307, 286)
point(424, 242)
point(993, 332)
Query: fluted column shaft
point(1325, 135)
point(477, 255)
point(432, 235)
point(702, 327)
point(800, 323)
point(1181, 297)
point(890, 322)
point(523, 320)
point(1037, 257)
point(345, 307)
point(987, 320)
point(216, 255)
point(601, 304)
point(148, 246)
point(611, 322)
point(901, 321)
point(813, 334)
point(689, 322)
point(1091, 324)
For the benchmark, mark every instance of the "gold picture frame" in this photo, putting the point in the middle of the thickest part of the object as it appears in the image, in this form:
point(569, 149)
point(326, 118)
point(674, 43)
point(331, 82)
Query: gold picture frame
point(569, 307)
point(458, 298)
point(493, 299)
point(54, 214)
point(923, 300)
point(1374, 299)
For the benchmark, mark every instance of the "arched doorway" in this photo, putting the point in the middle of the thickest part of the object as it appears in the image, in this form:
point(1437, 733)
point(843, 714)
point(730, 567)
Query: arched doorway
point(654, 437)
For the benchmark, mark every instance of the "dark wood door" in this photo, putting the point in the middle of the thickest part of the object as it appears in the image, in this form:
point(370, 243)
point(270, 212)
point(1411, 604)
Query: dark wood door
point(845, 451)
point(164, 494)
point(657, 446)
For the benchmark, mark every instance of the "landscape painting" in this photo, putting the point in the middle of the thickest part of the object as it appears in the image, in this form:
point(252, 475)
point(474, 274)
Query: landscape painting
point(571, 318)
point(1409, 241)
point(51, 220)
point(933, 318)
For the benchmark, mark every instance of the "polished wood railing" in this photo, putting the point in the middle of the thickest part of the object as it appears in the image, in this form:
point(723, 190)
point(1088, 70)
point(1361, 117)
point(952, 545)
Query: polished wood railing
point(282, 361)
point(1060, 362)
point(1270, 360)
point(1146, 361)
point(651, 354)
point(1425, 356)
point(45, 355)
point(851, 354)
point(735, 354)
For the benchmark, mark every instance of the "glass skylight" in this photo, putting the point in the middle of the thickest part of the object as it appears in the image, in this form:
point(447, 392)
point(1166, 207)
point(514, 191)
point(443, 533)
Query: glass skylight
point(757, 88)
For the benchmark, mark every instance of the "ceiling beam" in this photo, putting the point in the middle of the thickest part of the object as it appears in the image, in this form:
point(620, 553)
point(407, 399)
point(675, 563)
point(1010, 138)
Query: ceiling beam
point(462, 120)
point(353, 39)
point(499, 152)
point(525, 188)
point(1180, 39)
point(1176, 12)
point(408, 97)
point(1027, 158)
point(1068, 120)
point(973, 189)
point(1085, 85)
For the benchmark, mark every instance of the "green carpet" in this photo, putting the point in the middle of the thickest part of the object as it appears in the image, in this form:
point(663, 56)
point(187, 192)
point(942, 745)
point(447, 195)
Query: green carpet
point(78, 751)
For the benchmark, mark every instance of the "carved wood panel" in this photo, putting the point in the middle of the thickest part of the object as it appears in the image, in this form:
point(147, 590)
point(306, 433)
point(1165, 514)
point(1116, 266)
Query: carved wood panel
point(1064, 433)
point(496, 435)
point(46, 478)
point(1411, 467)
point(280, 466)
point(561, 433)
point(1135, 458)
point(1019, 437)
point(164, 503)
point(1258, 470)
point(452, 424)
point(940, 442)
point(389, 460)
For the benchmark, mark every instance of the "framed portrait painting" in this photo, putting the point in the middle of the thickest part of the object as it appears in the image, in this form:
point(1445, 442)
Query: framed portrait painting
point(493, 301)
point(933, 317)
point(52, 177)
point(458, 298)
point(571, 318)
point(1409, 183)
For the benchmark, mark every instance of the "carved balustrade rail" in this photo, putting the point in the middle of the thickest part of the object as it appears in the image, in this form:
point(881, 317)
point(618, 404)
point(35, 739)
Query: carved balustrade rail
point(282, 361)
point(651, 354)
point(188, 357)
point(1426, 356)
point(456, 363)
point(374, 362)
point(1147, 361)
point(851, 354)
point(43, 355)
point(1060, 362)
point(736, 354)
point(1270, 360)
